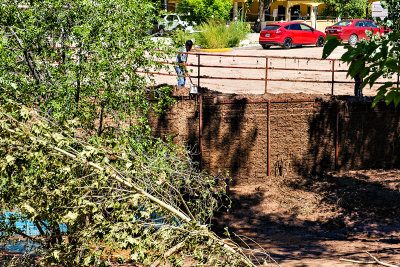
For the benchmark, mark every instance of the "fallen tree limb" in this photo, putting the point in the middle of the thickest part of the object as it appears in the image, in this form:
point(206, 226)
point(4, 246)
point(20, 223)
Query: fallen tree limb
point(375, 261)
point(357, 261)
point(381, 262)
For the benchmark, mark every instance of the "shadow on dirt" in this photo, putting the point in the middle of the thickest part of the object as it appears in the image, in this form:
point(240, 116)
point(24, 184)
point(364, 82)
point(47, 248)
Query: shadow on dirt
point(361, 207)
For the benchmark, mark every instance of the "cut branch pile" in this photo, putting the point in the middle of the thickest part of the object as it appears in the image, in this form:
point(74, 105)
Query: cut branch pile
point(113, 195)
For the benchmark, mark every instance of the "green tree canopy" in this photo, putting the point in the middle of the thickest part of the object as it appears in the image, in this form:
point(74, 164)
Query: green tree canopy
point(78, 58)
point(202, 10)
point(353, 9)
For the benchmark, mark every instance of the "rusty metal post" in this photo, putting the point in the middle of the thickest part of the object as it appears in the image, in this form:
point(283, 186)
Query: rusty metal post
point(337, 138)
point(269, 139)
point(198, 71)
point(266, 75)
point(201, 129)
point(333, 76)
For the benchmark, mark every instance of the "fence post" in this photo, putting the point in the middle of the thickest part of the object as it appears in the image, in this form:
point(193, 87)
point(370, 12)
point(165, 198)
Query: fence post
point(198, 71)
point(337, 138)
point(333, 76)
point(266, 74)
point(269, 139)
point(201, 129)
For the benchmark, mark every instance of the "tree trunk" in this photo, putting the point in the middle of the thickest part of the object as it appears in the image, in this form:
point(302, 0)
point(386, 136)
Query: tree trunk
point(263, 5)
point(100, 130)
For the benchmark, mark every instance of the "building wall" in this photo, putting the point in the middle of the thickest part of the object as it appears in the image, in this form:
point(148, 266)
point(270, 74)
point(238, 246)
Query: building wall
point(302, 136)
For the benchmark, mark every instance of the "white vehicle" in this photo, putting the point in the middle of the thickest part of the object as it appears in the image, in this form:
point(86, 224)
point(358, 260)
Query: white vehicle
point(172, 22)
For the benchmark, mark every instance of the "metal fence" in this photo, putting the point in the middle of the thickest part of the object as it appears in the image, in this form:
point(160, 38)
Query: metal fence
point(322, 71)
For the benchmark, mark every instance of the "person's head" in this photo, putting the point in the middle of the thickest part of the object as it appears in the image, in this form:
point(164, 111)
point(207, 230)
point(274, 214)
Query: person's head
point(189, 45)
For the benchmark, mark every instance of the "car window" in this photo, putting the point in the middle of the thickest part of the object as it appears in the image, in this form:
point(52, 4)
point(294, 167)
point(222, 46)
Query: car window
point(170, 18)
point(305, 27)
point(371, 24)
point(295, 27)
point(344, 23)
point(360, 24)
point(271, 27)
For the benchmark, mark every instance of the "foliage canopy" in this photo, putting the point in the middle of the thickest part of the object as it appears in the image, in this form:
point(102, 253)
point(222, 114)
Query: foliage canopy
point(202, 10)
point(78, 58)
point(353, 9)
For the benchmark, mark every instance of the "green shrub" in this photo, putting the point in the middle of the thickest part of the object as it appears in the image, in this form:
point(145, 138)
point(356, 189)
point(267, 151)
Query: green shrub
point(179, 38)
point(215, 34)
point(237, 31)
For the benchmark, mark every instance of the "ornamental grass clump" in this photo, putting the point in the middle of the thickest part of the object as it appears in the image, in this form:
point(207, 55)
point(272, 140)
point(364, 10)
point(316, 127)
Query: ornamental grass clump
point(216, 34)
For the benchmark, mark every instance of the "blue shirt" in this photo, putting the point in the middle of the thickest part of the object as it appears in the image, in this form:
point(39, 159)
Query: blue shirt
point(182, 57)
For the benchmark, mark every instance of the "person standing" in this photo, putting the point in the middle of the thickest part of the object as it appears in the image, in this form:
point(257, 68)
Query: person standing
point(181, 60)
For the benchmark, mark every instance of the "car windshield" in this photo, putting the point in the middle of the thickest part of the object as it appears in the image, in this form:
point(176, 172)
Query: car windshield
point(271, 27)
point(343, 23)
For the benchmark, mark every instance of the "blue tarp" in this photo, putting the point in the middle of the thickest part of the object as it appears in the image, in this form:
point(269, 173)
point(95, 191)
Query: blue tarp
point(27, 227)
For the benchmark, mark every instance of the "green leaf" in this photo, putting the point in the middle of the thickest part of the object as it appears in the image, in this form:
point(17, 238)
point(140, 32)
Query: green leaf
point(71, 217)
point(10, 159)
point(331, 44)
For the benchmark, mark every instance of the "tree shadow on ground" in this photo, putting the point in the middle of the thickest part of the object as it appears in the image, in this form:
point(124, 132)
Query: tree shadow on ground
point(365, 210)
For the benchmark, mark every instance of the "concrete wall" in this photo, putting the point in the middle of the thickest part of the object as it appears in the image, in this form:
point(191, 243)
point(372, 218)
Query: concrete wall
point(302, 135)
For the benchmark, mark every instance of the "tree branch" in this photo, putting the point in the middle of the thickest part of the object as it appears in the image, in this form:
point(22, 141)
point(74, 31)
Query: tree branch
point(26, 55)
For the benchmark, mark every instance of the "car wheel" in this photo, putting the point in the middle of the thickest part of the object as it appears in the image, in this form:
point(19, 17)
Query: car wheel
point(265, 46)
point(353, 39)
point(321, 41)
point(161, 32)
point(288, 43)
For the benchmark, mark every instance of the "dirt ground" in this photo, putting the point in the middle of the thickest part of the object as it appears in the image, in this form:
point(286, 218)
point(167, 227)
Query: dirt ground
point(307, 57)
point(319, 221)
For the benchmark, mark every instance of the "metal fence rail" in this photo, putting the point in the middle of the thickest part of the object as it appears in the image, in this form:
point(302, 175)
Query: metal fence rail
point(267, 68)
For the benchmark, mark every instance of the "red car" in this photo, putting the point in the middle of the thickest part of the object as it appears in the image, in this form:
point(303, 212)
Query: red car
point(289, 34)
point(353, 30)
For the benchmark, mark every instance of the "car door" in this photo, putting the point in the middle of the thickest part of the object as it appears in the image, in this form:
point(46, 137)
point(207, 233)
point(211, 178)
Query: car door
point(373, 27)
point(296, 33)
point(360, 28)
point(307, 34)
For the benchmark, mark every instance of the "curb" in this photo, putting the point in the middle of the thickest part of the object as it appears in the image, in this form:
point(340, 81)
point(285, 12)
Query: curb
point(215, 50)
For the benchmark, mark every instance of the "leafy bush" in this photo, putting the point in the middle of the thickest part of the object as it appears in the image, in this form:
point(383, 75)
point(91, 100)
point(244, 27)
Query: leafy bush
point(215, 34)
point(180, 37)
